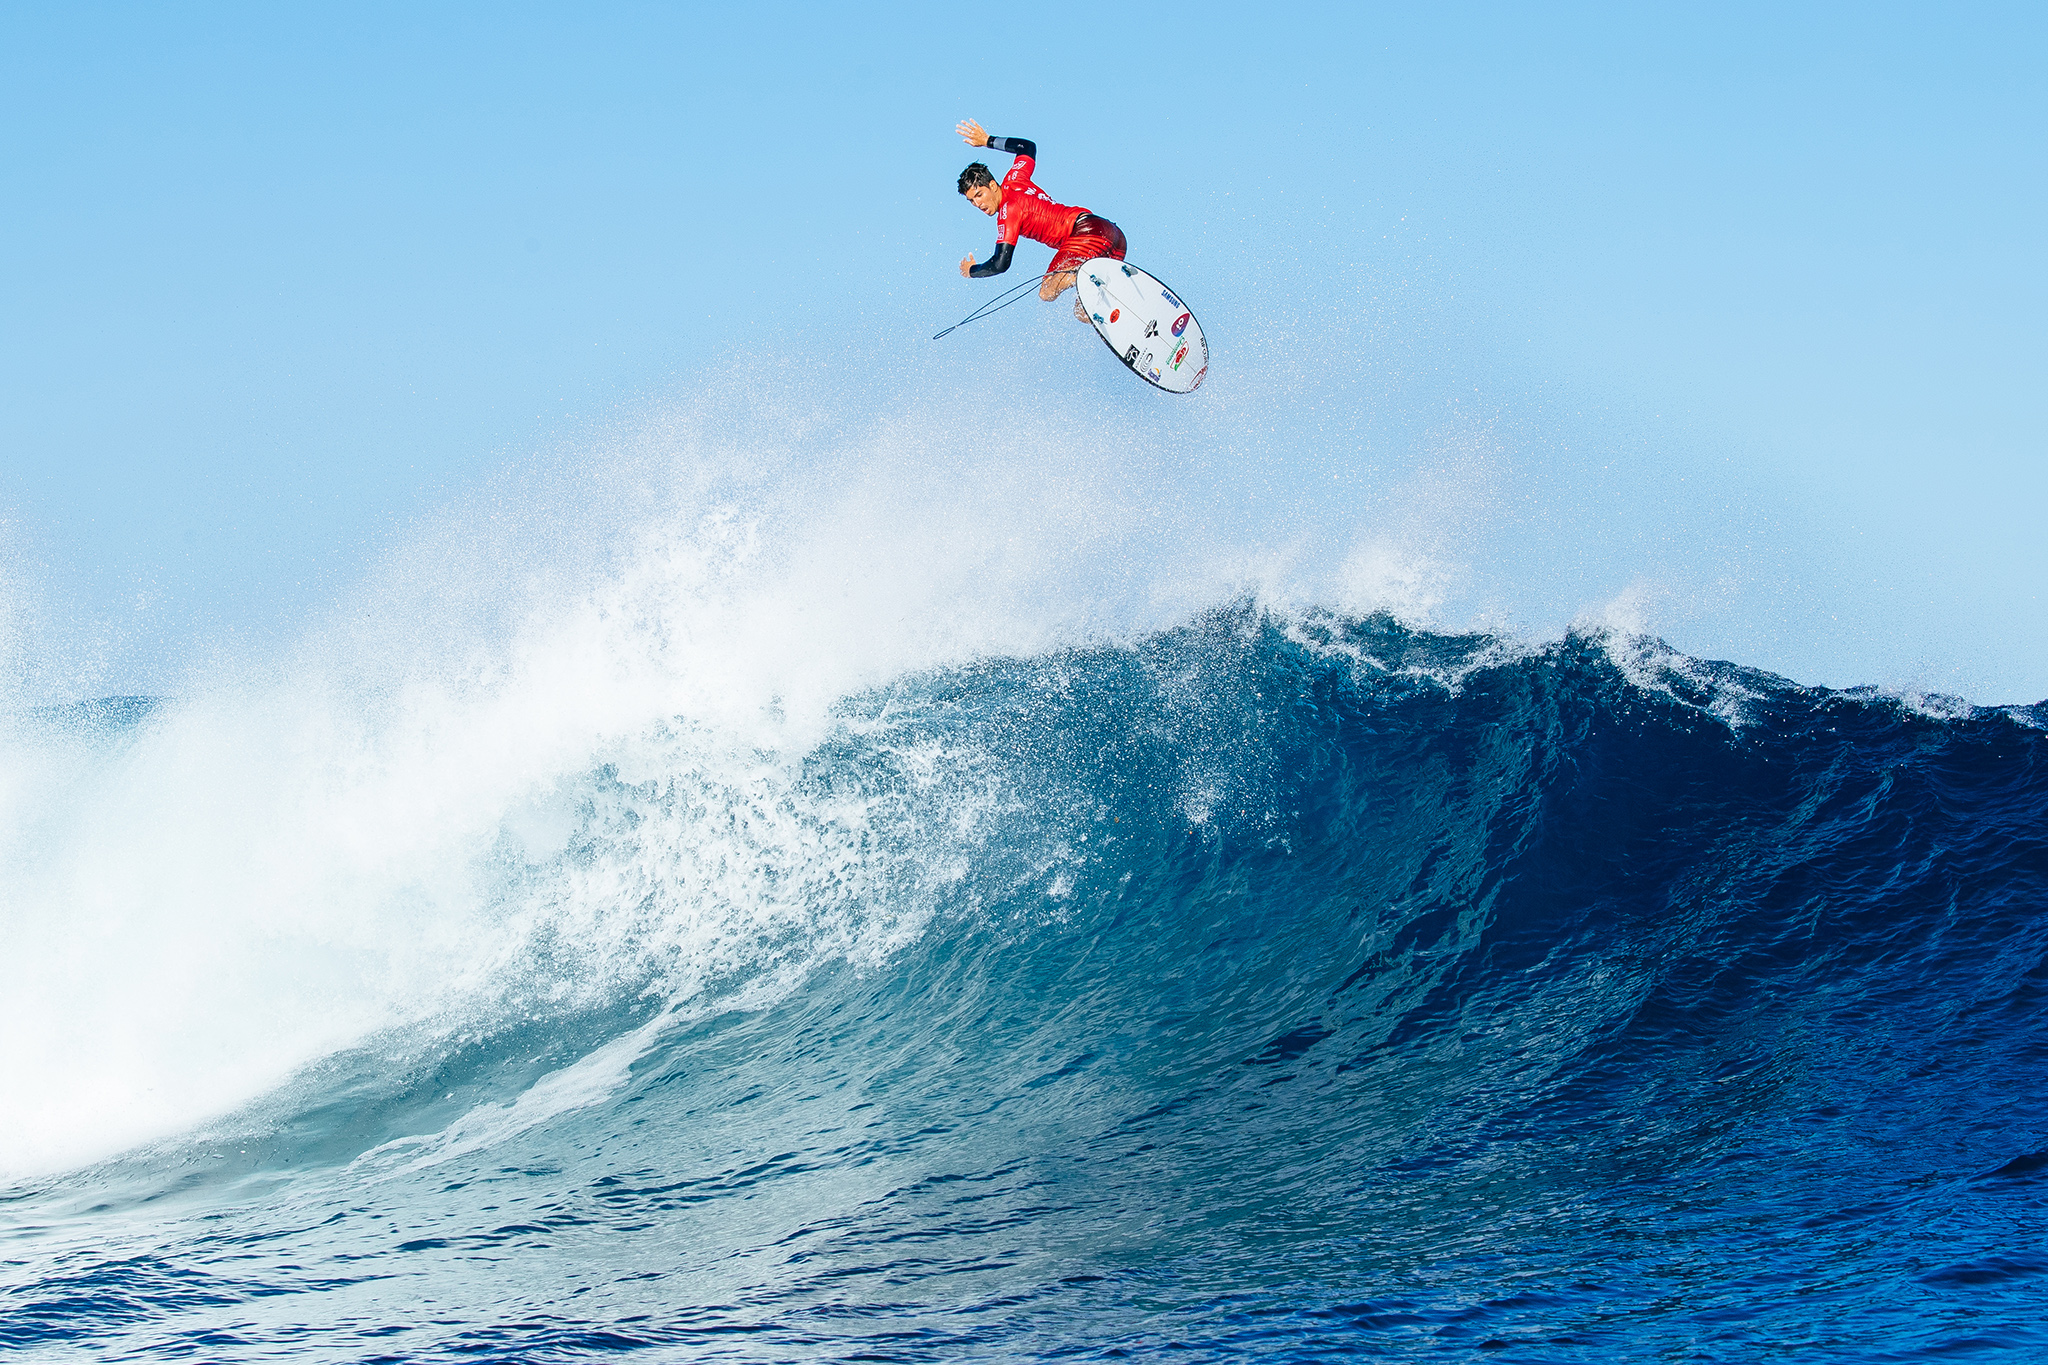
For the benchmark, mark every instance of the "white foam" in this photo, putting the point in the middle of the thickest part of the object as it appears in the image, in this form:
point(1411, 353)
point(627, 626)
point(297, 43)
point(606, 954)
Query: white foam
point(1622, 629)
point(1937, 705)
point(590, 1080)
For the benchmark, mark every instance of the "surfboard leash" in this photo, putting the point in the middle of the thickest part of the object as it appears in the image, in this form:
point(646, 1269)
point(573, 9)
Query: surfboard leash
point(997, 304)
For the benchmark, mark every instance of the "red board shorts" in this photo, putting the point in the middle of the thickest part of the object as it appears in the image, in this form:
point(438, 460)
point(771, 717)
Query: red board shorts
point(1089, 237)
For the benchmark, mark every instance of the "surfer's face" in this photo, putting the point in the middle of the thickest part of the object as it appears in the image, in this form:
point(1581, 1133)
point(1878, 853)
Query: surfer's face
point(987, 198)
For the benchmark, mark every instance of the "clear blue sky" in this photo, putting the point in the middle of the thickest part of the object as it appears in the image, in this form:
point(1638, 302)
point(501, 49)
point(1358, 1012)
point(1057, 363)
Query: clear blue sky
point(280, 280)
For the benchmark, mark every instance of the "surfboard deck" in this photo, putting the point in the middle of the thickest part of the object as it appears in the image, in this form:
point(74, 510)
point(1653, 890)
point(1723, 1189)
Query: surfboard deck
point(1144, 323)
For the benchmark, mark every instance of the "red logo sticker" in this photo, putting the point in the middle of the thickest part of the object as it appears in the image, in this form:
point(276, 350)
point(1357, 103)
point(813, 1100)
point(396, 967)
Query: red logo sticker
point(1115, 313)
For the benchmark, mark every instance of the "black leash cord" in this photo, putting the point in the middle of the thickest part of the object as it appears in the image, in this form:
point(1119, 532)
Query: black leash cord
point(997, 304)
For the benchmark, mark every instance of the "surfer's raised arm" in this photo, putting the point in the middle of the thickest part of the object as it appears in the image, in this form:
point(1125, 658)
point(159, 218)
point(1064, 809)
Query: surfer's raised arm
point(977, 136)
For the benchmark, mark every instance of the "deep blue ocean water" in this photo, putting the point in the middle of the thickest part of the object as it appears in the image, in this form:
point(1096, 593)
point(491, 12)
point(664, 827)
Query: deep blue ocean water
point(1293, 988)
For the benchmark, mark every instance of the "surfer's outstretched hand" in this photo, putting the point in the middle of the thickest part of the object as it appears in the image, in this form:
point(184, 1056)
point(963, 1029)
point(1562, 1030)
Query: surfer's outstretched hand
point(966, 266)
point(976, 135)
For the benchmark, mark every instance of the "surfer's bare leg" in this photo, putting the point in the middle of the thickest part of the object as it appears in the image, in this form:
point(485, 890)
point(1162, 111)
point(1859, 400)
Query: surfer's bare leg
point(1053, 286)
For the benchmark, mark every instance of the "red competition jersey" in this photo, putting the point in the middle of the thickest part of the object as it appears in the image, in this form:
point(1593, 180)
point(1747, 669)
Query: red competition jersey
point(1028, 211)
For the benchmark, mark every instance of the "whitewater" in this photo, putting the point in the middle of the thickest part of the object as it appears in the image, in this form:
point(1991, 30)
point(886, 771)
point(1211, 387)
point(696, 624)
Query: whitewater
point(786, 885)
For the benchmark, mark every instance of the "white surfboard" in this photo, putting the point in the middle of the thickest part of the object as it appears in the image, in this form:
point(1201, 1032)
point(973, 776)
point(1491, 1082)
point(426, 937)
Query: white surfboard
point(1145, 323)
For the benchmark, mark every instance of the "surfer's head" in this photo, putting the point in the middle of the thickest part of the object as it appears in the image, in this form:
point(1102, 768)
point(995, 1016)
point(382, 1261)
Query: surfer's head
point(981, 188)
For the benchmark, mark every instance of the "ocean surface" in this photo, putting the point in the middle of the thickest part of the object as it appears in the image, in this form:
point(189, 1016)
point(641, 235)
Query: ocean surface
point(1273, 983)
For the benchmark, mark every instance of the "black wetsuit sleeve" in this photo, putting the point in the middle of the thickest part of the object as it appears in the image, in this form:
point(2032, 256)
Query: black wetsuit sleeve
point(994, 265)
point(1015, 146)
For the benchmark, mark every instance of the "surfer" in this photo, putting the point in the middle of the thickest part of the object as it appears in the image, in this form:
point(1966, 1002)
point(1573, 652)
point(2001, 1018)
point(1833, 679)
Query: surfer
point(1020, 208)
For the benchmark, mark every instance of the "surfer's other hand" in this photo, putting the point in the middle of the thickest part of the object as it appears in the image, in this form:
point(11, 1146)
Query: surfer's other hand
point(976, 135)
point(966, 266)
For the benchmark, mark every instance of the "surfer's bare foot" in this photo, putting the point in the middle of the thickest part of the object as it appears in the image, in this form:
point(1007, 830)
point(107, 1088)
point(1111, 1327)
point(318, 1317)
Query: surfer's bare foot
point(1080, 313)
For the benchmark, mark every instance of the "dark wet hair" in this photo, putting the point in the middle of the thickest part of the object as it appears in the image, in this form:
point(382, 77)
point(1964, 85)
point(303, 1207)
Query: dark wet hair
point(977, 174)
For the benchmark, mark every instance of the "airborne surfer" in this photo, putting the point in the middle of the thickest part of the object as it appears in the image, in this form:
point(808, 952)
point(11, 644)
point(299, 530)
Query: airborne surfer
point(1020, 208)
